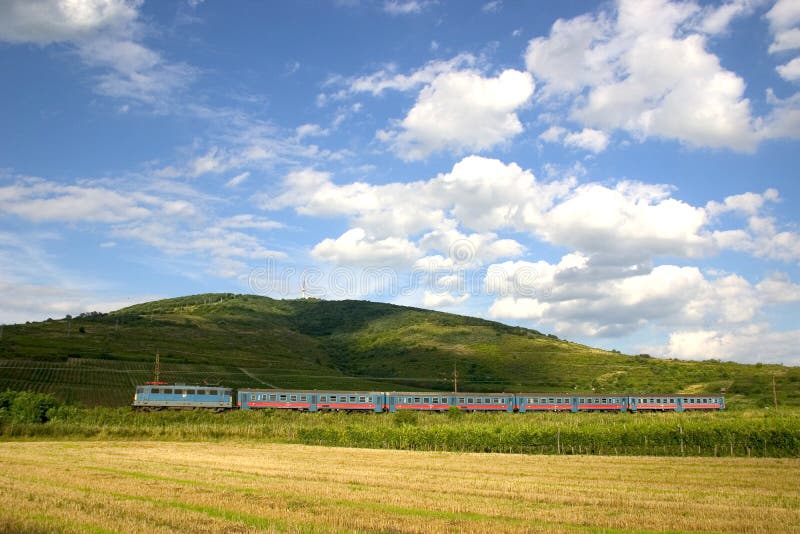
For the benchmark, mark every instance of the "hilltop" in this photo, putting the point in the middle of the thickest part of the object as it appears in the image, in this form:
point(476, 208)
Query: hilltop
point(254, 341)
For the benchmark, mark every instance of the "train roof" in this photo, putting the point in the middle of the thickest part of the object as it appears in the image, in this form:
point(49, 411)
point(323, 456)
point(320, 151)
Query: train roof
point(167, 385)
point(281, 390)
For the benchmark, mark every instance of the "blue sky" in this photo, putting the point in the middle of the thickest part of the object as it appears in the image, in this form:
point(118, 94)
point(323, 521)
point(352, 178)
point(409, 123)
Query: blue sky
point(623, 174)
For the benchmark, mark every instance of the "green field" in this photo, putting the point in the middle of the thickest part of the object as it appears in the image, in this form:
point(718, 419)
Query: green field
point(748, 433)
point(252, 341)
point(248, 487)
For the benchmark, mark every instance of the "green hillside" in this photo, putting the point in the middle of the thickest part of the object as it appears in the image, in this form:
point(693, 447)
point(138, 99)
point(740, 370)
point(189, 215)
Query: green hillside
point(253, 341)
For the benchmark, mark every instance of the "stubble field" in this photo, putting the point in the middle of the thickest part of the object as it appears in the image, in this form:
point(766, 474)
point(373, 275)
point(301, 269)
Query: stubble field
point(98, 486)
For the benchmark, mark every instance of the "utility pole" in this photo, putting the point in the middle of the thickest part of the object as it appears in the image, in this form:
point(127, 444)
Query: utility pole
point(156, 369)
point(774, 392)
point(455, 377)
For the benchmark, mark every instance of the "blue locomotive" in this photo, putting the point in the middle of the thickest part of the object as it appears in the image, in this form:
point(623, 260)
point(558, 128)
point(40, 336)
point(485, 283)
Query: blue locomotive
point(160, 396)
point(151, 397)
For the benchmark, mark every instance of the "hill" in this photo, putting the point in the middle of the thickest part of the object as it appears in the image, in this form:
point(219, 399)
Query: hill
point(254, 341)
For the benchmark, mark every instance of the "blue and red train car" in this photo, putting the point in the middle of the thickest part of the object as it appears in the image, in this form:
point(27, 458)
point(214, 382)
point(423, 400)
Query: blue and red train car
point(182, 396)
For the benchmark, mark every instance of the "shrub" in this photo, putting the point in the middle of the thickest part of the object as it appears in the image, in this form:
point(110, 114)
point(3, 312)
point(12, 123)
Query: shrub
point(26, 406)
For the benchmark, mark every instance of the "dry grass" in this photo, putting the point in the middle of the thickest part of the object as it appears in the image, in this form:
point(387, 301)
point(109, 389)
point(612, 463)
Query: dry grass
point(244, 487)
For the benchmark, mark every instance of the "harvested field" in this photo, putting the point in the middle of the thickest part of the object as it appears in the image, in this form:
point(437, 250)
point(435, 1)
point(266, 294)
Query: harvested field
point(98, 486)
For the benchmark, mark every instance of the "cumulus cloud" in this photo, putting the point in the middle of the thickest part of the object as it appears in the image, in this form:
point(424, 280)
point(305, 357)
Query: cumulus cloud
point(356, 247)
point(458, 109)
point(461, 111)
point(575, 299)
point(749, 344)
point(716, 19)
point(631, 220)
point(441, 300)
point(624, 224)
point(588, 139)
point(790, 71)
point(639, 68)
point(106, 34)
point(784, 22)
point(51, 21)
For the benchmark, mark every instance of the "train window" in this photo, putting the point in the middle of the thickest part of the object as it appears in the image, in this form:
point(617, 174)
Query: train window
point(283, 398)
point(212, 391)
point(293, 398)
point(201, 392)
point(362, 399)
point(426, 400)
point(190, 392)
point(155, 390)
point(168, 392)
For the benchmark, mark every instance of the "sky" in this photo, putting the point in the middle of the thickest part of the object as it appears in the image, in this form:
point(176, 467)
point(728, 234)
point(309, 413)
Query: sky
point(621, 174)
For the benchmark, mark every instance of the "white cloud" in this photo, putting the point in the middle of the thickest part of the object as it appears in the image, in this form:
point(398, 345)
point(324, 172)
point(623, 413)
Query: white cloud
point(388, 79)
point(42, 201)
point(747, 203)
point(553, 134)
point(238, 179)
point(786, 40)
point(133, 71)
point(632, 221)
point(762, 239)
point(468, 250)
point(461, 111)
point(106, 35)
point(310, 130)
point(355, 247)
point(51, 21)
point(249, 221)
point(639, 69)
point(784, 21)
point(588, 139)
point(458, 108)
point(405, 7)
point(778, 288)
point(716, 19)
point(784, 14)
point(790, 71)
point(750, 344)
point(577, 297)
point(440, 300)
point(37, 302)
point(624, 224)
point(492, 7)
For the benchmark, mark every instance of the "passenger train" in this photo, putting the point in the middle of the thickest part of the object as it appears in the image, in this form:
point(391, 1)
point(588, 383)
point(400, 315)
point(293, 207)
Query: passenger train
point(158, 396)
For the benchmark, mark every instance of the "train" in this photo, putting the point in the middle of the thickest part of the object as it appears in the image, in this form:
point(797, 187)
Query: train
point(161, 396)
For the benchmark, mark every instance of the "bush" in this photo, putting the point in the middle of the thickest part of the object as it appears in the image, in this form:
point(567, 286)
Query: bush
point(26, 406)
